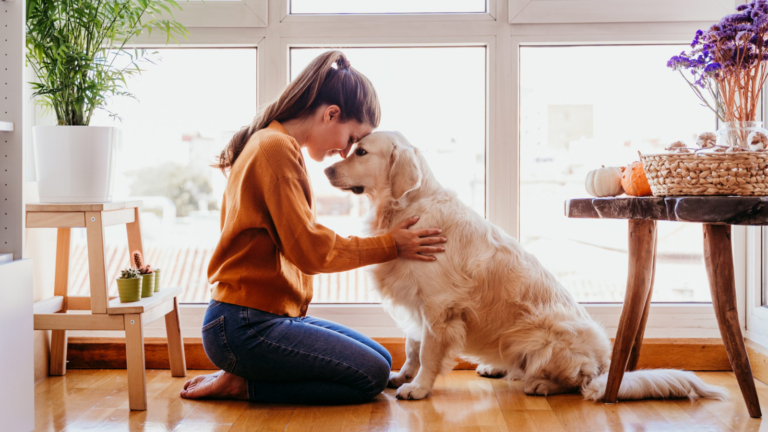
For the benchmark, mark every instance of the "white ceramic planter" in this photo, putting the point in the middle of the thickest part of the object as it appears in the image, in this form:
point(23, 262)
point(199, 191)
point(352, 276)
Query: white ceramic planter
point(75, 163)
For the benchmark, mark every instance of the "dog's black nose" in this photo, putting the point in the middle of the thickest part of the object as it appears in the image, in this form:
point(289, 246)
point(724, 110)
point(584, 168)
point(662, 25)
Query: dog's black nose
point(330, 171)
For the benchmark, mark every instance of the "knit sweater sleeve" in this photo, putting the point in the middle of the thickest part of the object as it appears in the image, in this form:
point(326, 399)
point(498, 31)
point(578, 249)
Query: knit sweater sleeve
point(312, 247)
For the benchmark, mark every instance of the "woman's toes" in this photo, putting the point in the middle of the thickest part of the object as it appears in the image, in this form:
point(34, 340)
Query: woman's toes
point(186, 384)
point(198, 387)
point(218, 385)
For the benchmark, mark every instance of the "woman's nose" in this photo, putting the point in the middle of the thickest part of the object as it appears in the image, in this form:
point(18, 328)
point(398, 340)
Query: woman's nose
point(330, 172)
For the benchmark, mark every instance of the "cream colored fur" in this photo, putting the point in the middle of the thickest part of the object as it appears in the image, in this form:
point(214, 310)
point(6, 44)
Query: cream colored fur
point(485, 298)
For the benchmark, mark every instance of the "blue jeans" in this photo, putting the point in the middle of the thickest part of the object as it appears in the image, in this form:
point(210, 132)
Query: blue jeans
point(294, 360)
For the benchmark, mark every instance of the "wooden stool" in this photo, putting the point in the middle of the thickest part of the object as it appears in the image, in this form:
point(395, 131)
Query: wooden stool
point(717, 214)
point(105, 313)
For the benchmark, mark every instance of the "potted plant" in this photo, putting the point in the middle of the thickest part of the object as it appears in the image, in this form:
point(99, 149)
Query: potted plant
point(726, 68)
point(77, 52)
point(147, 275)
point(129, 285)
point(157, 279)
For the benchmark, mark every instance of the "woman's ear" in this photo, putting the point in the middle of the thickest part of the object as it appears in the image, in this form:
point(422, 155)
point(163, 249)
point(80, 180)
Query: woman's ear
point(331, 113)
point(404, 172)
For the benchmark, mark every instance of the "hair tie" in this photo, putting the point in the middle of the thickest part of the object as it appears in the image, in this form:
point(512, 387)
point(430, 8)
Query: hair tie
point(342, 63)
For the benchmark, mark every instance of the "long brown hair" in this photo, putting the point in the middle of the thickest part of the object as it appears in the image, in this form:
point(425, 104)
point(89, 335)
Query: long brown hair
point(320, 83)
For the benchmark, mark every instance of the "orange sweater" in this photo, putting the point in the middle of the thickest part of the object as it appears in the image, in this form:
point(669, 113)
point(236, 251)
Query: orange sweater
point(270, 244)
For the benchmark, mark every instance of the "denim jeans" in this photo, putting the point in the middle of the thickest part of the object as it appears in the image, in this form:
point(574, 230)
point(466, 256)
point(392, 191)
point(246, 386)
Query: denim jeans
point(294, 360)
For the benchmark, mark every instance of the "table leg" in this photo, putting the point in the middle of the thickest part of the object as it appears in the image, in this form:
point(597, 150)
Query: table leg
point(634, 357)
point(718, 258)
point(642, 244)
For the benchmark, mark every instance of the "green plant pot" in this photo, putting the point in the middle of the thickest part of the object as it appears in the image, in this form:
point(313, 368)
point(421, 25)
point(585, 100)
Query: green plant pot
point(157, 280)
point(148, 286)
point(129, 289)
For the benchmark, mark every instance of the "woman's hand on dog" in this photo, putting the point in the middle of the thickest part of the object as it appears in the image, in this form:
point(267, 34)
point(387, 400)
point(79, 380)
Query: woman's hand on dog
point(417, 244)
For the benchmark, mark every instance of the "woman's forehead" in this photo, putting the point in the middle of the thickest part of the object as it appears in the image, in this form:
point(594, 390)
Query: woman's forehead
point(360, 130)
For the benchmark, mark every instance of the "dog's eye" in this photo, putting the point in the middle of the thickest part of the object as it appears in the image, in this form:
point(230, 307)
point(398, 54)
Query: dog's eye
point(361, 152)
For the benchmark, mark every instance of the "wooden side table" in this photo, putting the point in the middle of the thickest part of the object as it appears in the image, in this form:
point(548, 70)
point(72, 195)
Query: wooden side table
point(105, 313)
point(717, 214)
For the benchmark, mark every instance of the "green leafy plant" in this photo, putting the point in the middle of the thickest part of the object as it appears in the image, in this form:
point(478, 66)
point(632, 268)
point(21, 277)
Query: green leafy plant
point(129, 273)
point(77, 50)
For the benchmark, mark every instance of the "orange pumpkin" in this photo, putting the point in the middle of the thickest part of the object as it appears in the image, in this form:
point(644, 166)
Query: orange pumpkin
point(634, 181)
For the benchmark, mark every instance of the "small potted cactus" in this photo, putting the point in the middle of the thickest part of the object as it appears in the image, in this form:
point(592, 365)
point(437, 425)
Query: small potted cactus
point(129, 285)
point(157, 279)
point(147, 275)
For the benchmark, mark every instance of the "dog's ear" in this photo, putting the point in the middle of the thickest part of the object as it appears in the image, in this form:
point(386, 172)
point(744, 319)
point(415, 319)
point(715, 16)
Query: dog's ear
point(404, 172)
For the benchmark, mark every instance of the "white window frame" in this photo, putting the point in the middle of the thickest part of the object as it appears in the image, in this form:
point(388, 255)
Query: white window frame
point(241, 13)
point(612, 11)
point(756, 312)
point(502, 41)
point(287, 17)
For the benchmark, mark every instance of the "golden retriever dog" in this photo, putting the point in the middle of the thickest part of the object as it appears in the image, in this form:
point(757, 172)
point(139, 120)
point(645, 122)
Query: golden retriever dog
point(485, 299)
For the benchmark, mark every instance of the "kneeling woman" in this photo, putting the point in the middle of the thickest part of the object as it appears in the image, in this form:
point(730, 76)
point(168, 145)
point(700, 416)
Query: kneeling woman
point(256, 329)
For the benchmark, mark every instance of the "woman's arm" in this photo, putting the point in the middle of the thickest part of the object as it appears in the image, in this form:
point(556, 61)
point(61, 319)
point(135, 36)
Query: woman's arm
point(313, 248)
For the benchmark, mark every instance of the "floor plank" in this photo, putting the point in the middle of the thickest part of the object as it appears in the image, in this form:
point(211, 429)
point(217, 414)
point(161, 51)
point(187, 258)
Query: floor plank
point(97, 400)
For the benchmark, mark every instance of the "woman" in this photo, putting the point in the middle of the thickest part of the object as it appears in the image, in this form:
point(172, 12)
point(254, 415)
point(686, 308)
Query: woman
point(256, 329)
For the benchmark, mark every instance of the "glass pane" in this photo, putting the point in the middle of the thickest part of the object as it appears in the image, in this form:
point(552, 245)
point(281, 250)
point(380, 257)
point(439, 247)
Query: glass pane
point(385, 6)
point(436, 98)
point(576, 118)
point(184, 115)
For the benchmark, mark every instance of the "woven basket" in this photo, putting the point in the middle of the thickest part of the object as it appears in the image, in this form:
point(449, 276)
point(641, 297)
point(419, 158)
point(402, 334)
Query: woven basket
point(676, 174)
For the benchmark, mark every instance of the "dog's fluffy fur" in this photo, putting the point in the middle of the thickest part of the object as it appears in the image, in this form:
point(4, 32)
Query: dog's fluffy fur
point(485, 298)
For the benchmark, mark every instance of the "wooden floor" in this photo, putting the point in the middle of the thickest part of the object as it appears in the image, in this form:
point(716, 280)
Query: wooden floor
point(97, 400)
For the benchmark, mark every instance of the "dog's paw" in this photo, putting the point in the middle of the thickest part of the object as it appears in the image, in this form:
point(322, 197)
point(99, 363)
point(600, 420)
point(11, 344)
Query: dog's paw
point(398, 379)
point(541, 387)
point(488, 371)
point(412, 391)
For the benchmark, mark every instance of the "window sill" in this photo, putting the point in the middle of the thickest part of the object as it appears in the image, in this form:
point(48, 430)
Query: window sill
point(666, 320)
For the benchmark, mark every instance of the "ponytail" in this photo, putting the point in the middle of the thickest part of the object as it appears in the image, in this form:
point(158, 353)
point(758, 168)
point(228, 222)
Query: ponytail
point(320, 83)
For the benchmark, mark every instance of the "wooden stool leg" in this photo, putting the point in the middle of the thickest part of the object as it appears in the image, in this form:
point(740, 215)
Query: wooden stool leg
point(175, 342)
point(634, 357)
point(58, 366)
point(134, 236)
point(134, 355)
point(97, 262)
point(642, 235)
point(58, 353)
point(718, 258)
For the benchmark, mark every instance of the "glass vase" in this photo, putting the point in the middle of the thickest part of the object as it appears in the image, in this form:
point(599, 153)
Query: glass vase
point(738, 134)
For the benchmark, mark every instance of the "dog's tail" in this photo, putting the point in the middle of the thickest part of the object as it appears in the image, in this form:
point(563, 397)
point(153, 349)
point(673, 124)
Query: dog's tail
point(656, 384)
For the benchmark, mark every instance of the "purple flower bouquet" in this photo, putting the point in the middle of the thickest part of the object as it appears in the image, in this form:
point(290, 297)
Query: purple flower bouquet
point(727, 65)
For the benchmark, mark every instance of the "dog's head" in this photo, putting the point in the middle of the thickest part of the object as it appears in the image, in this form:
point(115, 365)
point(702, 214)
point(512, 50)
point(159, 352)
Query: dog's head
point(382, 163)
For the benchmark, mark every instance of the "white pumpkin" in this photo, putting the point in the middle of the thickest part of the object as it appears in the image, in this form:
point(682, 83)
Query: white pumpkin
point(604, 182)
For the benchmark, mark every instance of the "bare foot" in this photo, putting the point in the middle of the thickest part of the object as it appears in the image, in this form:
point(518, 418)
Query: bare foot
point(219, 385)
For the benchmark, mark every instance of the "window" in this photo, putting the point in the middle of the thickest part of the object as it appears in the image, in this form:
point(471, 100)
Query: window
point(436, 98)
point(184, 115)
point(386, 6)
point(586, 106)
point(459, 50)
